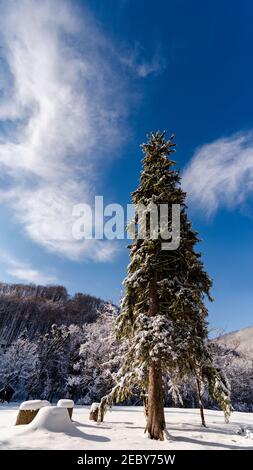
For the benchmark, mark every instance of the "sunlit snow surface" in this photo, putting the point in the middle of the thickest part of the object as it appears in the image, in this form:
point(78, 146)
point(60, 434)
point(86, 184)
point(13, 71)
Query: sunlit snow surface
point(124, 429)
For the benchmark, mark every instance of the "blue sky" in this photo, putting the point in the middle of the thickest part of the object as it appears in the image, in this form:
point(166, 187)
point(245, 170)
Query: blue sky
point(81, 84)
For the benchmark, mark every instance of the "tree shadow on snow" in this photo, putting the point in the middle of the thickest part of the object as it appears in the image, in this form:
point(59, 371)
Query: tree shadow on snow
point(136, 427)
point(88, 437)
point(198, 428)
point(203, 443)
point(94, 426)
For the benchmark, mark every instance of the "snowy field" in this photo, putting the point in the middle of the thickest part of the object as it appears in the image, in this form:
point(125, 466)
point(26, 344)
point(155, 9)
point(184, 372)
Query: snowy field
point(123, 429)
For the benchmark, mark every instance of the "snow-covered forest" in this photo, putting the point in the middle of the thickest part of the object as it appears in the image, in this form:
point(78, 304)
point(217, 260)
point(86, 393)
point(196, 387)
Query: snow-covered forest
point(65, 346)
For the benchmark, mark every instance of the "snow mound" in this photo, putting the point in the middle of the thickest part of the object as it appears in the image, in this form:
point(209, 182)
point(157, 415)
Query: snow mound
point(33, 404)
point(94, 407)
point(53, 419)
point(249, 434)
point(124, 429)
point(66, 403)
point(46, 403)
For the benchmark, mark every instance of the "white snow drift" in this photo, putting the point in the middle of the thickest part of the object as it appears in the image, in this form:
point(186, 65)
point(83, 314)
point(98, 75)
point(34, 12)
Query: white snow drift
point(64, 403)
point(32, 405)
point(52, 418)
point(123, 429)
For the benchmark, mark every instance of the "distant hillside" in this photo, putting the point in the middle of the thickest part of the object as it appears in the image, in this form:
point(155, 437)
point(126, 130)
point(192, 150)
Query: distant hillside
point(41, 361)
point(236, 359)
point(33, 309)
point(241, 341)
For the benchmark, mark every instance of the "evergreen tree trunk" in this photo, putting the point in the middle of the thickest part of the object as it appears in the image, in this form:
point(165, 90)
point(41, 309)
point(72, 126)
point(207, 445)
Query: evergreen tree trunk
point(155, 418)
point(201, 407)
point(144, 396)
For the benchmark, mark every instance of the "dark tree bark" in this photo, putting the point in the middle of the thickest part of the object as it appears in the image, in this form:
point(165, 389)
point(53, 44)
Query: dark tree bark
point(200, 398)
point(155, 418)
point(145, 404)
point(93, 415)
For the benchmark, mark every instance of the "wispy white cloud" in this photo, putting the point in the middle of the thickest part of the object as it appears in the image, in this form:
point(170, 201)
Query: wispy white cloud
point(60, 109)
point(141, 64)
point(220, 174)
point(28, 274)
point(24, 271)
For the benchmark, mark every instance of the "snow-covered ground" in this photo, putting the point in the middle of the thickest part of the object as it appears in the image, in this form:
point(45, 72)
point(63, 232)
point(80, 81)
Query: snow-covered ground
point(123, 429)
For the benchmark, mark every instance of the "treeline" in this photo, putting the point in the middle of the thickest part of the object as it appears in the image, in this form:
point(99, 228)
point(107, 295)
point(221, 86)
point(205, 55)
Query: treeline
point(32, 309)
point(67, 361)
point(54, 346)
point(80, 362)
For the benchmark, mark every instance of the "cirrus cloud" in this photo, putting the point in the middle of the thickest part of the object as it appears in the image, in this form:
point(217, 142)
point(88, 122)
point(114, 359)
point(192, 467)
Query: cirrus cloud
point(24, 271)
point(220, 174)
point(60, 104)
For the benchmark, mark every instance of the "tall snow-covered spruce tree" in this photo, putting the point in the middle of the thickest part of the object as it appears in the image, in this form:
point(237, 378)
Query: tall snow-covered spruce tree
point(163, 314)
